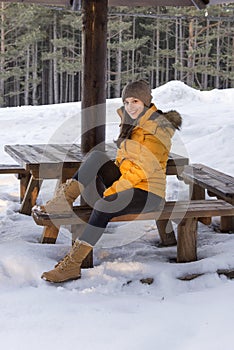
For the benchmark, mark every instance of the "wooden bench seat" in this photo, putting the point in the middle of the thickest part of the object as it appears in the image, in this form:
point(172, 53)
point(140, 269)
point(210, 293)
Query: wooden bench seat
point(12, 169)
point(22, 174)
point(184, 213)
point(202, 178)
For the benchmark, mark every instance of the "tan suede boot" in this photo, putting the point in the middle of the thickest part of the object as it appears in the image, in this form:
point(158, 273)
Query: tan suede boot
point(69, 267)
point(63, 198)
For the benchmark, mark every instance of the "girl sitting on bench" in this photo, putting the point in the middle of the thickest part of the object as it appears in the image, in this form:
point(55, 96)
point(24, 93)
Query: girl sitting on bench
point(134, 183)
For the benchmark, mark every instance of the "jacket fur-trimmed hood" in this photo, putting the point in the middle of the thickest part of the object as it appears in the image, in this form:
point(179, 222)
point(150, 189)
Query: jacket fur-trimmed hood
point(173, 117)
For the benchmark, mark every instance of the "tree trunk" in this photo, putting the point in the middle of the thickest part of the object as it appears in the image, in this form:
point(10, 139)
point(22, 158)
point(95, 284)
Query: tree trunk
point(176, 49)
point(167, 55)
point(71, 88)
point(26, 84)
point(62, 95)
point(2, 60)
point(181, 51)
point(35, 68)
point(133, 50)
point(118, 64)
point(152, 59)
point(50, 83)
point(232, 64)
point(206, 61)
point(157, 53)
point(217, 57)
point(108, 73)
point(55, 61)
point(190, 63)
point(17, 89)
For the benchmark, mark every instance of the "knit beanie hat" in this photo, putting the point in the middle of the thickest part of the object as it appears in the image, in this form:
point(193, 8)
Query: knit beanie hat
point(138, 89)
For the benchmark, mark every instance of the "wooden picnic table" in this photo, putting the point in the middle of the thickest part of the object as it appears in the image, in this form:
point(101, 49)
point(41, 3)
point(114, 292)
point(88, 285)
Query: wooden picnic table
point(61, 161)
point(53, 161)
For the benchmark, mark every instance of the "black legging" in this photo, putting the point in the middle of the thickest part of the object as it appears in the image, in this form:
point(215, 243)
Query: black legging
point(98, 166)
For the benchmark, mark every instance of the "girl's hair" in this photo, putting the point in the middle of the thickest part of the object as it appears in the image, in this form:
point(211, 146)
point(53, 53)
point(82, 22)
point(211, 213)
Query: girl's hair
point(127, 126)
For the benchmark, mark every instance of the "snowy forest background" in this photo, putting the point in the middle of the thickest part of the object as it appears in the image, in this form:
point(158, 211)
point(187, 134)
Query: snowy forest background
point(40, 60)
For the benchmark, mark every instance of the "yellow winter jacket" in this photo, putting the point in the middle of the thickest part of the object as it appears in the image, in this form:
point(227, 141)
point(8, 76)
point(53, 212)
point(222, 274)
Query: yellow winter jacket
point(142, 159)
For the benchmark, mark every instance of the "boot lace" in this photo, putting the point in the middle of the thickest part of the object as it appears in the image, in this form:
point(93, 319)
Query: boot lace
point(55, 199)
point(60, 194)
point(64, 262)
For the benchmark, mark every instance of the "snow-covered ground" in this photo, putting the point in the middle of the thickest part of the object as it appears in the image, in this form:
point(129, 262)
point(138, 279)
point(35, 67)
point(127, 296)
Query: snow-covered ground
point(103, 310)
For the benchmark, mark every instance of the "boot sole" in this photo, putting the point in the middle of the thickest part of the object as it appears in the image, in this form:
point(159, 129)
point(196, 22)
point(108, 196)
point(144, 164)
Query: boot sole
point(61, 281)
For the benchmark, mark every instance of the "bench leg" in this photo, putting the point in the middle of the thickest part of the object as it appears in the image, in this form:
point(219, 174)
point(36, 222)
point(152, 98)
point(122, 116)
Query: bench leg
point(187, 240)
point(30, 196)
point(227, 223)
point(50, 234)
point(196, 192)
point(166, 233)
point(24, 181)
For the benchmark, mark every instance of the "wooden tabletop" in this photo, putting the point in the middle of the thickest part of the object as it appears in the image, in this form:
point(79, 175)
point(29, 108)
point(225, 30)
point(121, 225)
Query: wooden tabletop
point(60, 161)
point(48, 160)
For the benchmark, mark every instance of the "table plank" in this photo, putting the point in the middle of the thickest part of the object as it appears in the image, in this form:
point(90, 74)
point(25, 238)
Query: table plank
point(50, 160)
point(54, 153)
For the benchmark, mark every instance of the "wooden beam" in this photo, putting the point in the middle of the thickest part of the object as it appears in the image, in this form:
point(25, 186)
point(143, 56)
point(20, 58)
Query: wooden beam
point(131, 3)
point(154, 3)
point(200, 4)
point(94, 53)
point(62, 3)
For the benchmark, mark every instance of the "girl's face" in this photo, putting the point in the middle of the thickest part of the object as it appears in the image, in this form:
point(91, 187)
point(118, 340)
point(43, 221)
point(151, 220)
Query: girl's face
point(133, 107)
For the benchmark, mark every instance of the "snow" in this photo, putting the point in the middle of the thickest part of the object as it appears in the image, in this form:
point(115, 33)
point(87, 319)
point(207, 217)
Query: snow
point(108, 308)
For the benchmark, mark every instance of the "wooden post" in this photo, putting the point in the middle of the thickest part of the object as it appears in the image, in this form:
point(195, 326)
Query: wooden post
point(50, 234)
point(197, 192)
point(94, 53)
point(187, 240)
point(166, 233)
point(227, 224)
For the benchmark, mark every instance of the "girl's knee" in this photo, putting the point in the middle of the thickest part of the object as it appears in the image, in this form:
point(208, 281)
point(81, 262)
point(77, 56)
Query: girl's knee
point(96, 154)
